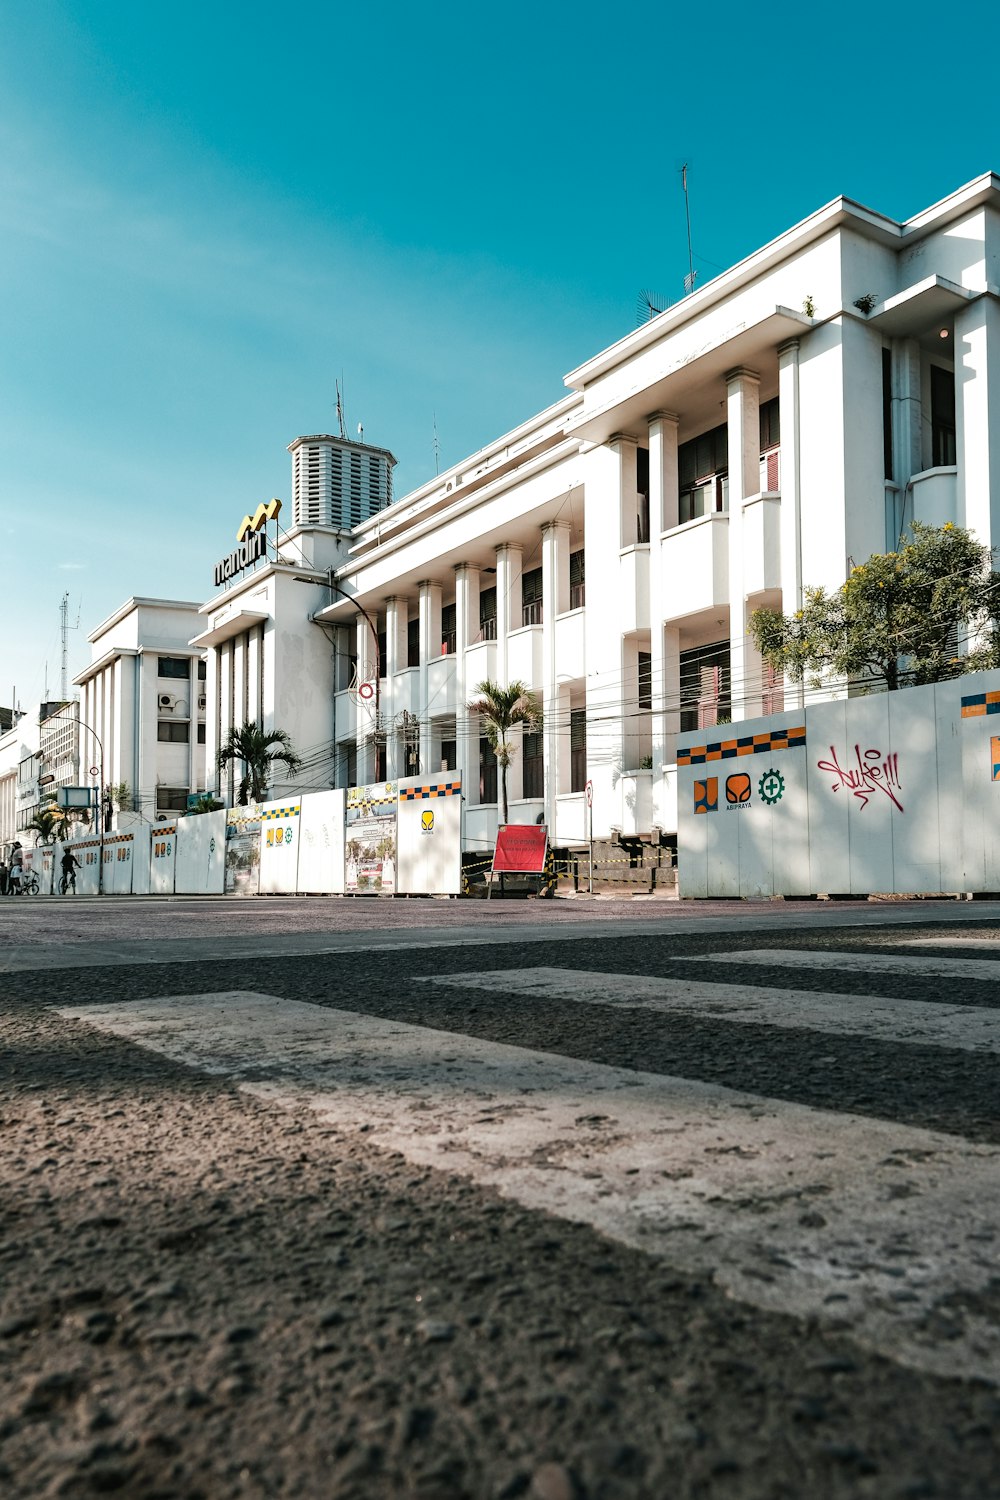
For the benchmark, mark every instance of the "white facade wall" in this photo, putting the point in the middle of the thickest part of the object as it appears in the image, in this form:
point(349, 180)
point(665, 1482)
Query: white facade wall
point(840, 320)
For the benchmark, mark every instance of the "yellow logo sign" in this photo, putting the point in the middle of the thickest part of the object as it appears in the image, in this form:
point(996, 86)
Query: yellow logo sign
point(260, 518)
point(427, 821)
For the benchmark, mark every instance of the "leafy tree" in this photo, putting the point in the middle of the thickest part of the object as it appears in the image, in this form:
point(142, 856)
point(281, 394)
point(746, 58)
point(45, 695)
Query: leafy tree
point(500, 710)
point(897, 618)
point(205, 804)
point(259, 750)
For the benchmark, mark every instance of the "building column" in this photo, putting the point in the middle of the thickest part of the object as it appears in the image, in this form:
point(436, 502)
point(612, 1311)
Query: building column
point(227, 776)
point(555, 602)
point(508, 602)
point(211, 719)
point(624, 446)
point(430, 650)
point(664, 511)
point(790, 523)
point(664, 483)
point(743, 416)
point(466, 632)
point(367, 714)
point(397, 614)
point(977, 418)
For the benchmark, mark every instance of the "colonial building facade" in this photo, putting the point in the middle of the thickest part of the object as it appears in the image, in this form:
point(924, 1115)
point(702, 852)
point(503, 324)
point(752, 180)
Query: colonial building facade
point(784, 422)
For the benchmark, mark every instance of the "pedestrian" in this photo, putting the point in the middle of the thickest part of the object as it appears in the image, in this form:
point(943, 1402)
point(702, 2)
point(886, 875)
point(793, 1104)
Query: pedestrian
point(70, 865)
point(4, 877)
point(16, 869)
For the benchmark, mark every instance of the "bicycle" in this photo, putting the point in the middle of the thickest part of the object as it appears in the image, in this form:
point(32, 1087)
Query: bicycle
point(29, 885)
point(67, 883)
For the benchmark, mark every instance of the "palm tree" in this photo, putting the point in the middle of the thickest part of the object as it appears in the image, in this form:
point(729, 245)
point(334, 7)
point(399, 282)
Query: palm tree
point(49, 823)
point(259, 750)
point(500, 709)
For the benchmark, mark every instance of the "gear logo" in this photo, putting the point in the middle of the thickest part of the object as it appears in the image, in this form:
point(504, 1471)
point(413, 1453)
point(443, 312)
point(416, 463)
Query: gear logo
point(771, 787)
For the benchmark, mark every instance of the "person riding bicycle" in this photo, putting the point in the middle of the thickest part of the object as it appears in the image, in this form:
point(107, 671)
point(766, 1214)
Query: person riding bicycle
point(70, 865)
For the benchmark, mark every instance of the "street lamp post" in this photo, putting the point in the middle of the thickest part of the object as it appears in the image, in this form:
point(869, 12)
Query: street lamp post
point(100, 807)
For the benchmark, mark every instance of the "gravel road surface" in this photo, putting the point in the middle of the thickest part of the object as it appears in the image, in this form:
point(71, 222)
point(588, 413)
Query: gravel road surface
point(211, 1287)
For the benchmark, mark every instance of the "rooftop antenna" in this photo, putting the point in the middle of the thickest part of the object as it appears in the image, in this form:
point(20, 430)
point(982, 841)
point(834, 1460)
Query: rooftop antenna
point(340, 411)
point(649, 305)
point(692, 273)
point(64, 628)
point(361, 431)
point(437, 445)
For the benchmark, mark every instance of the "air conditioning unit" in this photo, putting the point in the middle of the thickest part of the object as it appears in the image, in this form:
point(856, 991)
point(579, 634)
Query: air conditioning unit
point(167, 700)
point(203, 701)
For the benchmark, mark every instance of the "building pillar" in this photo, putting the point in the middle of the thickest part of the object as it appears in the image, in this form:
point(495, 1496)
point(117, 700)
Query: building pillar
point(790, 525)
point(977, 418)
point(664, 482)
point(743, 416)
point(625, 448)
point(466, 633)
point(367, 709)
point(664, 511)
point(397, 615)
point(508, 602)
point(430, 650)
point(227, 776)
point(555, 602)
point(211, 718)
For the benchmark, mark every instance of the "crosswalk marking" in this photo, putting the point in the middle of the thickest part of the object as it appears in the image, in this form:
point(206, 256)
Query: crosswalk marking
point(970, 1028)
point(984, 969)
point(790, 1208)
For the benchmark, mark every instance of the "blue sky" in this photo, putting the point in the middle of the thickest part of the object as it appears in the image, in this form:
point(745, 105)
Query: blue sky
point(210, 212)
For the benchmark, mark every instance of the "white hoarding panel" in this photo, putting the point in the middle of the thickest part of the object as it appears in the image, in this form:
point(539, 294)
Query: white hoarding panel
point(976, 708)
point(829, 801)
point(916, 821)
point(118, 861)
point(321, 843)
point(279, 847)
point(741, 796)
point(429, 835)
point(200, 866)
point(162, 858)
point(243, 850)
point(87, 852)
point(370, 840)
point(42, 865)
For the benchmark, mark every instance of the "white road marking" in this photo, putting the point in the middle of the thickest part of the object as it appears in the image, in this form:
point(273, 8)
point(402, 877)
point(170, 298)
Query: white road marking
point(969, 1028)
point(789, 1208)
point(986, 970)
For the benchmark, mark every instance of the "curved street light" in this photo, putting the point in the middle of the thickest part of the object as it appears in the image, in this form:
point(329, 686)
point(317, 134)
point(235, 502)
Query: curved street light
point(100, 807)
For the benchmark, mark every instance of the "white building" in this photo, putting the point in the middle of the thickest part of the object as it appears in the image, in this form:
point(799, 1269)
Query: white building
point(788, 419)
point(142, 707)
point(39, 754)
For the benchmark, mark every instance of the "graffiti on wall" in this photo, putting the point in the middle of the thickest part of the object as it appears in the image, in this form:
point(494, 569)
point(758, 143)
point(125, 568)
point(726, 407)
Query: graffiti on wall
point(870, 772)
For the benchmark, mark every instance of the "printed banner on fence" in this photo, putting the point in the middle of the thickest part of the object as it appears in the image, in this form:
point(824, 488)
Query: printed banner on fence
point(370, 839)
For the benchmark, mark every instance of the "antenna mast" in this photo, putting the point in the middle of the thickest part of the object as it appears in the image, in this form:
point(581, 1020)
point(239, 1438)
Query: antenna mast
point(689, 278)
point(64, 631)
point(340, 411)
point(437, 445)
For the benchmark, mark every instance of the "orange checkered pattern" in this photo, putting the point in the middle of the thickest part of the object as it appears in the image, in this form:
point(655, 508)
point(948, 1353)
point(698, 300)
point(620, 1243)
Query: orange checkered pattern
point(750, 744)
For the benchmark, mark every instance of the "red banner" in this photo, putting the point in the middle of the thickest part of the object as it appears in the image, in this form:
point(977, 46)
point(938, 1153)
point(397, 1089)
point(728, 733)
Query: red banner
point(521, 849)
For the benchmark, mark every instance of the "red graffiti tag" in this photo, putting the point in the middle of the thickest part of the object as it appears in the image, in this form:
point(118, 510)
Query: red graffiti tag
point(873, 773)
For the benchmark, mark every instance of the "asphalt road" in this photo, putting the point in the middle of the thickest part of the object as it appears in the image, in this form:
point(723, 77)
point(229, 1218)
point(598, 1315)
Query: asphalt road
point(442, 1199)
